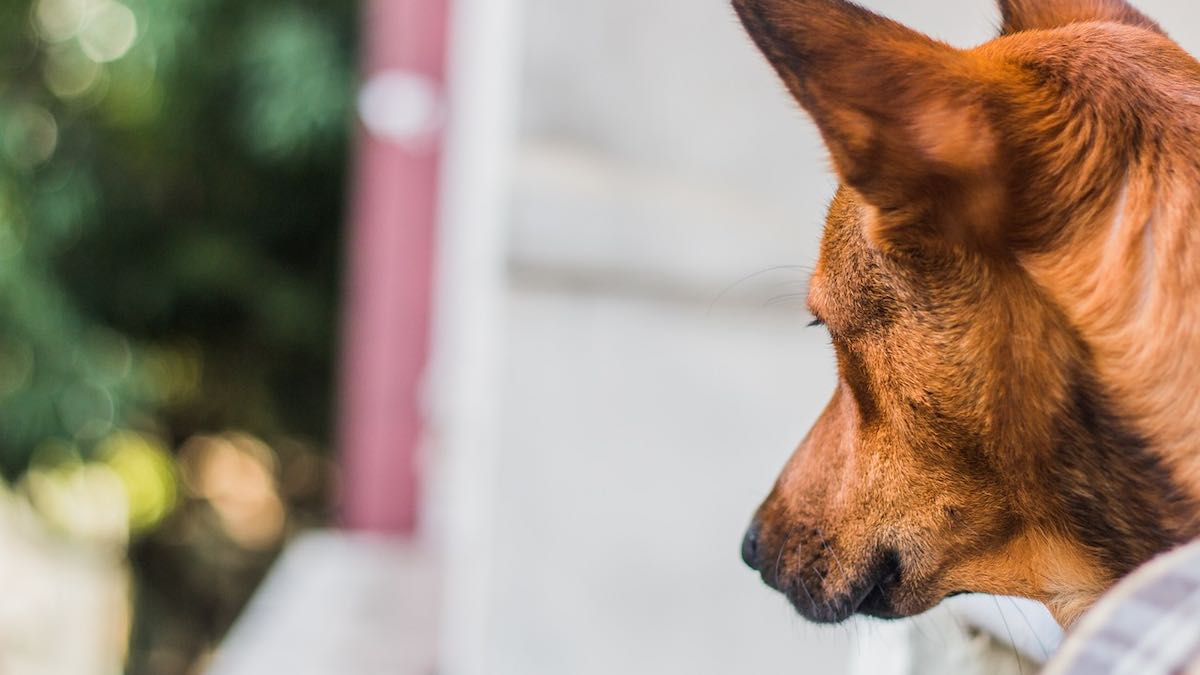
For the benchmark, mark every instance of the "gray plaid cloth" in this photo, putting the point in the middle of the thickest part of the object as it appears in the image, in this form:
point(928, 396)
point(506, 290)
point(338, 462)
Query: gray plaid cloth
point(1148, 625)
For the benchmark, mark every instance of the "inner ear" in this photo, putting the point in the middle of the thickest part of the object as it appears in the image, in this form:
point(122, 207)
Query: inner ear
point(905, 117)
point(1023, 15)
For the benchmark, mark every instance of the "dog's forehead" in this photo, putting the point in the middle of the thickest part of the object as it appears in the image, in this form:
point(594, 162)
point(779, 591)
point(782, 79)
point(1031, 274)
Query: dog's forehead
point(851, 286)
point(841, 236)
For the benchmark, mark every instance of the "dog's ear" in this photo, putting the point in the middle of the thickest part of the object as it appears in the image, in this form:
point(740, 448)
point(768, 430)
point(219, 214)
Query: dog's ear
point(904, 117)
point(1022, 15)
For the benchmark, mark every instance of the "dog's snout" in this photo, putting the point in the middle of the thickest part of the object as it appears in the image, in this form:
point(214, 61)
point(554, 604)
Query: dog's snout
point(750, 545)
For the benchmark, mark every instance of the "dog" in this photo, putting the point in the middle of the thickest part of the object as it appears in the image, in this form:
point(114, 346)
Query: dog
point(1010, 277)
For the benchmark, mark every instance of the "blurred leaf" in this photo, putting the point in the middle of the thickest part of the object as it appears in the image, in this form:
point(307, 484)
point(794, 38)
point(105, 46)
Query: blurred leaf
point(295, 86)
point(149, 183)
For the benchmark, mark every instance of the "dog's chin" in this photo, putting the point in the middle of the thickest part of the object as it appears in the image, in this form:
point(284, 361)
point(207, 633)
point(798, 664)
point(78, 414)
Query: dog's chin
point(874, 595)
point(879, 604)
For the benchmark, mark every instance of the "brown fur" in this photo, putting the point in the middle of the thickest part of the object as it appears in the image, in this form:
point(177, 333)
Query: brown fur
point(1009, 274)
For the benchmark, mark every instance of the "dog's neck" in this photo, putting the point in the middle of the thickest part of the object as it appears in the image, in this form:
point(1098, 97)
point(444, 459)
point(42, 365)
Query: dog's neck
point(1129, 283)
point(1121, 257)
point(1127, 278)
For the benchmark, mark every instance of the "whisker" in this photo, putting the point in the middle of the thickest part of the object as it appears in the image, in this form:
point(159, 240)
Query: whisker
point(804, 587)
point(1041, 645)
point(916, 623)
point(832, 553)
point(962, 627)
point(837, 561)
point(824, 584)
point(779, 558)
point(1011, 641)
point(730, 288)
point(938, 629)
point(797, 283)
point(785, 298)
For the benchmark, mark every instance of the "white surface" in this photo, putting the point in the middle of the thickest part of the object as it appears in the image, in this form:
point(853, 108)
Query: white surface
point(63, 603)
point(339, 603)
point(580, 214)
point(1026, 625)
point(941, 642)
point(639, 436)
point(463, 394)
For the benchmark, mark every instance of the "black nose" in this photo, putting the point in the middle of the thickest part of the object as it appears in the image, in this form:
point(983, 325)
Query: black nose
point(750, 545)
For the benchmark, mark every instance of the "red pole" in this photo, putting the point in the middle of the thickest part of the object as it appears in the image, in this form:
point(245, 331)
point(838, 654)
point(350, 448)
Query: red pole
point(390, 262)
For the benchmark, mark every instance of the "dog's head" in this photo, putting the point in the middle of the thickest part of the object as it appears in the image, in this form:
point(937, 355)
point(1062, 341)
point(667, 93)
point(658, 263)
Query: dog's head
point(978, 268)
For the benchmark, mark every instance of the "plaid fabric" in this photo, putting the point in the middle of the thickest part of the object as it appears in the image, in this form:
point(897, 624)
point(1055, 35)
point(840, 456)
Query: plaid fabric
point(1148, 625)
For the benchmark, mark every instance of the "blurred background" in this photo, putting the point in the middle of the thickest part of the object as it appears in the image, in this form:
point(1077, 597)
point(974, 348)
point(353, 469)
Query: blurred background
point(172, 188)
point(474, 328)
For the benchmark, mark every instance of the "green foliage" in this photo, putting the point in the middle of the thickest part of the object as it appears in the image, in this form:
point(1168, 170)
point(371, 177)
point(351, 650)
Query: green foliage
point(171, 193)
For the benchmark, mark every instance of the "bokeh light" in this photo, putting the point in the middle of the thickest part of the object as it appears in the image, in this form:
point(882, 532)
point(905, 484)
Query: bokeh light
point(30, 136)
point(108, 31)
point(171, 373)
point(235, 473)
point(84, 500)
point(146, 472)
point(60, 20)
point(69, 73)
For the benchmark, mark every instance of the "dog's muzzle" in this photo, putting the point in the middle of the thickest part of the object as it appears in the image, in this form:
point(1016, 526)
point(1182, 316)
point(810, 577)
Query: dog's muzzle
point(871, 589)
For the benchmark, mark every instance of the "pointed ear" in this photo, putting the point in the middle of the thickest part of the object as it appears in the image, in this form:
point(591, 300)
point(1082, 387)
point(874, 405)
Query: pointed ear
point(1022, 15)
point(904, 117)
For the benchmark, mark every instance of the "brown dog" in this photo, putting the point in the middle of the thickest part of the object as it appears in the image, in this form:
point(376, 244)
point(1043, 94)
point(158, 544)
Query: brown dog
point(1010, 275)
